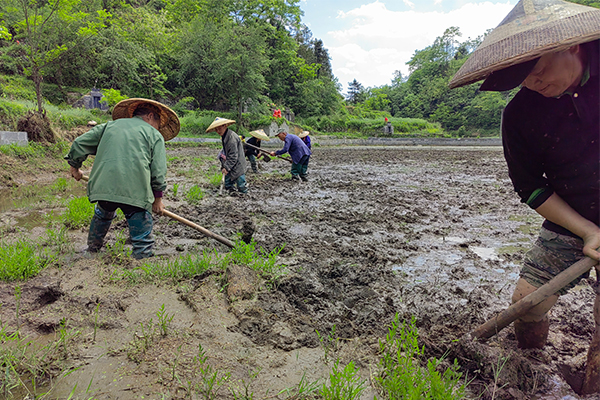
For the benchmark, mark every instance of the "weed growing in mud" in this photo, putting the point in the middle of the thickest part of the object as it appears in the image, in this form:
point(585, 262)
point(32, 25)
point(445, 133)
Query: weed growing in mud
point(215, 179)
point(244, 392)
point(188, 266)
point(194, 194)
point(184, 267)
point(20, 261)
point(164, 320)
point(175, 189)
point(118, 253)
point(344, 383)
point(211, 380)
point(329, 343)
point(261, 261)
point(304, 390)
point(58, 238)
point(141, 342)
point(79, 213)
point(22, 357)
point(403, 377)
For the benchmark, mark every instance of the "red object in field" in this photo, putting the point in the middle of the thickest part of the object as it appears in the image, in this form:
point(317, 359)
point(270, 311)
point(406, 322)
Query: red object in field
point(277, 113)
point(385, 119)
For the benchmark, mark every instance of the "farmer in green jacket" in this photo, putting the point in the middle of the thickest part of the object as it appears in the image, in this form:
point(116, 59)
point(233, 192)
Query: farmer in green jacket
point(129, 169)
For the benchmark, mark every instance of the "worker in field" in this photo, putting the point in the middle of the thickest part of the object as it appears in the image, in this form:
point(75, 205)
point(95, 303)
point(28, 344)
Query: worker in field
point(306, 139)
point(233, 161)
point(253, 154)
point(550, 134)
point(129, 170)
point(298, 151)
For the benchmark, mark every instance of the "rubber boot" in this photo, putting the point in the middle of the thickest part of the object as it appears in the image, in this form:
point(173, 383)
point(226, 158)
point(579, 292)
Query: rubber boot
point(140, 230)
point(99, 228)
point(532, 335)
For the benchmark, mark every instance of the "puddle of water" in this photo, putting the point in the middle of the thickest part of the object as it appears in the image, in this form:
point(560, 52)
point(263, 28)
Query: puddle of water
point(31, 220)
point(486, 253)
point(10, 199)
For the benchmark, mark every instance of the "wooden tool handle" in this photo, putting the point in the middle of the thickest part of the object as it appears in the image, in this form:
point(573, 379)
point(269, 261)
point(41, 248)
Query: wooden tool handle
point(204, 231)
point(189, 223)
point(520, 308)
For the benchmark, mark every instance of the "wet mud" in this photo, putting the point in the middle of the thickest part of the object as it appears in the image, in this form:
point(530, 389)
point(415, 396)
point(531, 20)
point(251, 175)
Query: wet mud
point(434, 233)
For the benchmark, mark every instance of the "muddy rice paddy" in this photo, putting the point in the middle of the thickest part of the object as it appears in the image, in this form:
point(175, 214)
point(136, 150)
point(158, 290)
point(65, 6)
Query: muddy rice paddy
point(431, 232)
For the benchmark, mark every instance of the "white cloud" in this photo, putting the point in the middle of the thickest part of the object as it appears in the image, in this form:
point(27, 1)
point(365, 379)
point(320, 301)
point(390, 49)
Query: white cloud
point(379, 41)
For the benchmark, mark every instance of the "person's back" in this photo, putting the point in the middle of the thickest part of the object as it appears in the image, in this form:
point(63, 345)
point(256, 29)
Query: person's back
point(130, 153)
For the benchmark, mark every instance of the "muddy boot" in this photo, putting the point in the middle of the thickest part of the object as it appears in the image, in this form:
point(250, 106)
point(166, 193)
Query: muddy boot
point(140, 230)
point(532, 335)
point(99, 228)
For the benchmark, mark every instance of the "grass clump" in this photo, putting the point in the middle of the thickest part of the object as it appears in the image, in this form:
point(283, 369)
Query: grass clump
point(181, 268)
point(194, 195)
point(190, 265)
point(343, 383)
point(20, 261)
point(79, 213)
point(402, 375)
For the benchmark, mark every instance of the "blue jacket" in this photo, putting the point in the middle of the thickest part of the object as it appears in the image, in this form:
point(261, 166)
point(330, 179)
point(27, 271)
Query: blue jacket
point(295, 146)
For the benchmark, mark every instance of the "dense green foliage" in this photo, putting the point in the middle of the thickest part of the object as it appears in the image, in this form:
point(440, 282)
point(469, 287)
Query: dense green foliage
point(222, 55)
point(243, 58)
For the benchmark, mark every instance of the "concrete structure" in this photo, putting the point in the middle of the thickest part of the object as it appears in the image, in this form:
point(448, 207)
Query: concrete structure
point(18, 138)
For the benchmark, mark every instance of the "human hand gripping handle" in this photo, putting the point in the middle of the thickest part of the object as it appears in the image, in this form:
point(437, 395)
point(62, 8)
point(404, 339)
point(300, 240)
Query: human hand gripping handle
point(158, 206)
point(76, 173)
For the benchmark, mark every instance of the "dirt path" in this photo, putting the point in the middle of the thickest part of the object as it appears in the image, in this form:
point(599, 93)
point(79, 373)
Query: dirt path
point(435, 233)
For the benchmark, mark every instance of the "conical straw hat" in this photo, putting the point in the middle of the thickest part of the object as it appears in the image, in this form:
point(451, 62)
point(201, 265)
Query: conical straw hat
point(303, 134)
point(218, 122)
point(169, 122)
point(533, 28)
point(260, 134)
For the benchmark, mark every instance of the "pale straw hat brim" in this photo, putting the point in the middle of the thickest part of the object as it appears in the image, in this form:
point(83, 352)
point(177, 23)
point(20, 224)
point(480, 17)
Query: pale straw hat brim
point(169, 122)
point(533, 28)
point(260, 134)
point(219, 122)
point(303, 134)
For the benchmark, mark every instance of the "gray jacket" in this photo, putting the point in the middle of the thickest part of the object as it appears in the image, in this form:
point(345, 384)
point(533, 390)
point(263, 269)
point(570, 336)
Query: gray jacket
point(235, 161)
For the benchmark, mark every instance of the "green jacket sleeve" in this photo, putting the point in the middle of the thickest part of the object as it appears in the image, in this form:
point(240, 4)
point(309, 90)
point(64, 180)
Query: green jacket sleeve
point(158, 166)
point(85, 145)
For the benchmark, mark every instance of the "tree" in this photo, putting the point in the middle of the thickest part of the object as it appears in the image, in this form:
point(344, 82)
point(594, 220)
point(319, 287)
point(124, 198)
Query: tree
point(50, 28)
point(356, 92)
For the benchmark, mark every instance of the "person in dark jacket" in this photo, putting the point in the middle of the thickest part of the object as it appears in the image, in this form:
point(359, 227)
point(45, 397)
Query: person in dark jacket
point(551, 137)
point(253, 154)
point(233, 162)
point(298, 151)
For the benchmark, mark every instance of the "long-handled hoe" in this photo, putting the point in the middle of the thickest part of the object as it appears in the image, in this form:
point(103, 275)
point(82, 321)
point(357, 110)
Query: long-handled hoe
point(591, 381)
point(189, 223)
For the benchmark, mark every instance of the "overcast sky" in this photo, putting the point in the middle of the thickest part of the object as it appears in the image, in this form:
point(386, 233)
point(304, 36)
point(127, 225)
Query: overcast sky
point(369, 40)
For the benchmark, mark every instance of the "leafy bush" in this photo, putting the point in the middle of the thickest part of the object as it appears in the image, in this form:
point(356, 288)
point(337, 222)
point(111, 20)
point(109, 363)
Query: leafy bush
point(112, 96)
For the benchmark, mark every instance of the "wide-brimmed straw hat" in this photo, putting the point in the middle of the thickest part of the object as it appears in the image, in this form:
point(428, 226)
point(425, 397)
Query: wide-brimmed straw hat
point(169, 122)
point(260, 134)
point(533, 28)
point(219, 122)
point(303, 134)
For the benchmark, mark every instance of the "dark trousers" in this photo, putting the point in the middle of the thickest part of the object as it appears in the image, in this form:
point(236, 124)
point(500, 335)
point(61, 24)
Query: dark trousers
point(138, 219)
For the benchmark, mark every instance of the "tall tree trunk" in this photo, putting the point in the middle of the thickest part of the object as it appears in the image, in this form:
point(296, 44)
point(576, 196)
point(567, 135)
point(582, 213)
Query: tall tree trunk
point(37, 80)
